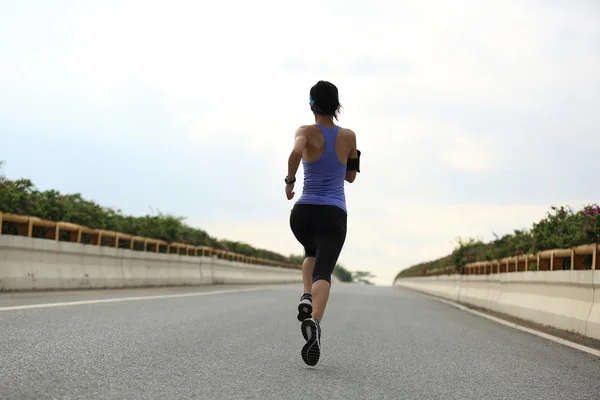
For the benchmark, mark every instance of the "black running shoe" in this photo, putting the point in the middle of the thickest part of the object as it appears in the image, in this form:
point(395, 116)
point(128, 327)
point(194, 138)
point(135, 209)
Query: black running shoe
point(305, 307)
point(311, 351)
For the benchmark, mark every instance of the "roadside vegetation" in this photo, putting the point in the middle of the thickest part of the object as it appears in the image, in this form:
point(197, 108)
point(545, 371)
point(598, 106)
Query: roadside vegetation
point(562, 227)
point(20, 196)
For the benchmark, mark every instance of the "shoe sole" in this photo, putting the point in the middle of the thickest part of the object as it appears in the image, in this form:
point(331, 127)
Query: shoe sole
point(311, 351)
point(304, 311)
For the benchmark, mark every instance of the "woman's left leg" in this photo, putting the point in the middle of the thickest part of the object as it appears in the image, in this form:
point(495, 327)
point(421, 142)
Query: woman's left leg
point(301, 228)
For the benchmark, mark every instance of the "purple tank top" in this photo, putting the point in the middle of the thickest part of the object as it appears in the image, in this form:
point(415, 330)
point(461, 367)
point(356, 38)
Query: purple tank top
point(324, 178)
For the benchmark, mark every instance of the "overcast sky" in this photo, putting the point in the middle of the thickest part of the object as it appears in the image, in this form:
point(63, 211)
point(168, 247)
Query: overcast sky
point(473, 117)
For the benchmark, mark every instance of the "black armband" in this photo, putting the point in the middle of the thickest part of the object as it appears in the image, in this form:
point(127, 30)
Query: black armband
point(354, 163)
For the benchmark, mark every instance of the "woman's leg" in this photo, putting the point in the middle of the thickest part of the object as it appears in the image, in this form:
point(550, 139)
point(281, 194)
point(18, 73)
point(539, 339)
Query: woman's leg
point(329, 247)
point(320, 297)
point(331, 227)
point(307, 271)
point(301, 227)
point(305, 305)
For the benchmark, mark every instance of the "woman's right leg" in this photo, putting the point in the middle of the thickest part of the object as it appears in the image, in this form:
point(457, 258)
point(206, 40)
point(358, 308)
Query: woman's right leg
point(330, 242)
point(329, 236)
point(329, 247)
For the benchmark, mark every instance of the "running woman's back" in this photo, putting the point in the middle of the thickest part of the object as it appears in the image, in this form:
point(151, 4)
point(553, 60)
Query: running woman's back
point(324, 171)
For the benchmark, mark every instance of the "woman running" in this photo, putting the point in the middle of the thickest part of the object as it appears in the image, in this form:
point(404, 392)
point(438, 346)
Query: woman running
point(318, 219)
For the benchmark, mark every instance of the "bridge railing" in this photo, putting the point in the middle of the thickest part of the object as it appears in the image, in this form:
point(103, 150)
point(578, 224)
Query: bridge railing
point(584, 257)
point(64, 231)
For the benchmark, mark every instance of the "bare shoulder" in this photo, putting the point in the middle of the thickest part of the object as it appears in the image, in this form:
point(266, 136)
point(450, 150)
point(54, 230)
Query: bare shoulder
point(304, 130)
point(348, 134)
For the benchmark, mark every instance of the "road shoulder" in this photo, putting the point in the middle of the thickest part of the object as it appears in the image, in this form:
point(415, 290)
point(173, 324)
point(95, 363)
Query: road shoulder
point(571, 339)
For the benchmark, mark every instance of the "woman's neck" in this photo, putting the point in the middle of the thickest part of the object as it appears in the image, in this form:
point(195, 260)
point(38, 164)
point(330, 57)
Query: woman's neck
point(325, 121)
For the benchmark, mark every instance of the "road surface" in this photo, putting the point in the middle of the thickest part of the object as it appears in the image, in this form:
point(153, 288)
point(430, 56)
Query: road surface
point(378, 343)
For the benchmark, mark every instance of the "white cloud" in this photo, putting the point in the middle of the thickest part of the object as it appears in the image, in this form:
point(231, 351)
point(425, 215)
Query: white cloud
point(468, 153)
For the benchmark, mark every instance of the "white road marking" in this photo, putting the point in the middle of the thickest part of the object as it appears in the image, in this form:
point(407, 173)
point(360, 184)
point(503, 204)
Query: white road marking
point(552, 338)
point(121, 299)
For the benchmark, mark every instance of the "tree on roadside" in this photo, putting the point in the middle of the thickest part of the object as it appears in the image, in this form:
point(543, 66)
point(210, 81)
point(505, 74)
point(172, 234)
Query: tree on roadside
point(362, 277)
point(342, 274)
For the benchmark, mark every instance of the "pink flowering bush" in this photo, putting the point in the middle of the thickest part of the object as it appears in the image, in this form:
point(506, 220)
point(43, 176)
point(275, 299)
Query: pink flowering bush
point(591, 227)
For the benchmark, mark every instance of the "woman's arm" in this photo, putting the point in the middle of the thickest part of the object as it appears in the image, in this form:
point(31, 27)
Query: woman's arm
point(350, 170)
point(300, 143)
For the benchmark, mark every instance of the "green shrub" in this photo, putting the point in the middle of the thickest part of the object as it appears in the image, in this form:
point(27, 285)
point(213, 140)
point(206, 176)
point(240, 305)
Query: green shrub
point(22, 197)
point(560, 228)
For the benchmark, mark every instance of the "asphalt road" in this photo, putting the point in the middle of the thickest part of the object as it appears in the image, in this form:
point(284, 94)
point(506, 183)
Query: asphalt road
point(378, 343)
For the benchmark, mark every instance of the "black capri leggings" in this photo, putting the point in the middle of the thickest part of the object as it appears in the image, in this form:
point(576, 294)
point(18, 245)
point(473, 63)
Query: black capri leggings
point(321, 229)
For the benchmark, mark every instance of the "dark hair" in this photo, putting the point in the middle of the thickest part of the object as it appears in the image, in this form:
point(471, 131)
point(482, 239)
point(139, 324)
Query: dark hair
point(324, 99)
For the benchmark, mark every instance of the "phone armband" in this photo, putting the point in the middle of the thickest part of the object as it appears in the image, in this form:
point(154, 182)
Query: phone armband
point(354, 163)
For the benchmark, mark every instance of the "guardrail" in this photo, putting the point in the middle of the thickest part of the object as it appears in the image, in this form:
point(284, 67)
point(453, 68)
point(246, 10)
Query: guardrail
point(64, 231)
point(584, 257)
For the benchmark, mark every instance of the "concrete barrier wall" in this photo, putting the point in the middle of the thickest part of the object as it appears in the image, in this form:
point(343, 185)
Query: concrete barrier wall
point(593, 323)
point(441, 286)
point(40, 264)
point(565, 300)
